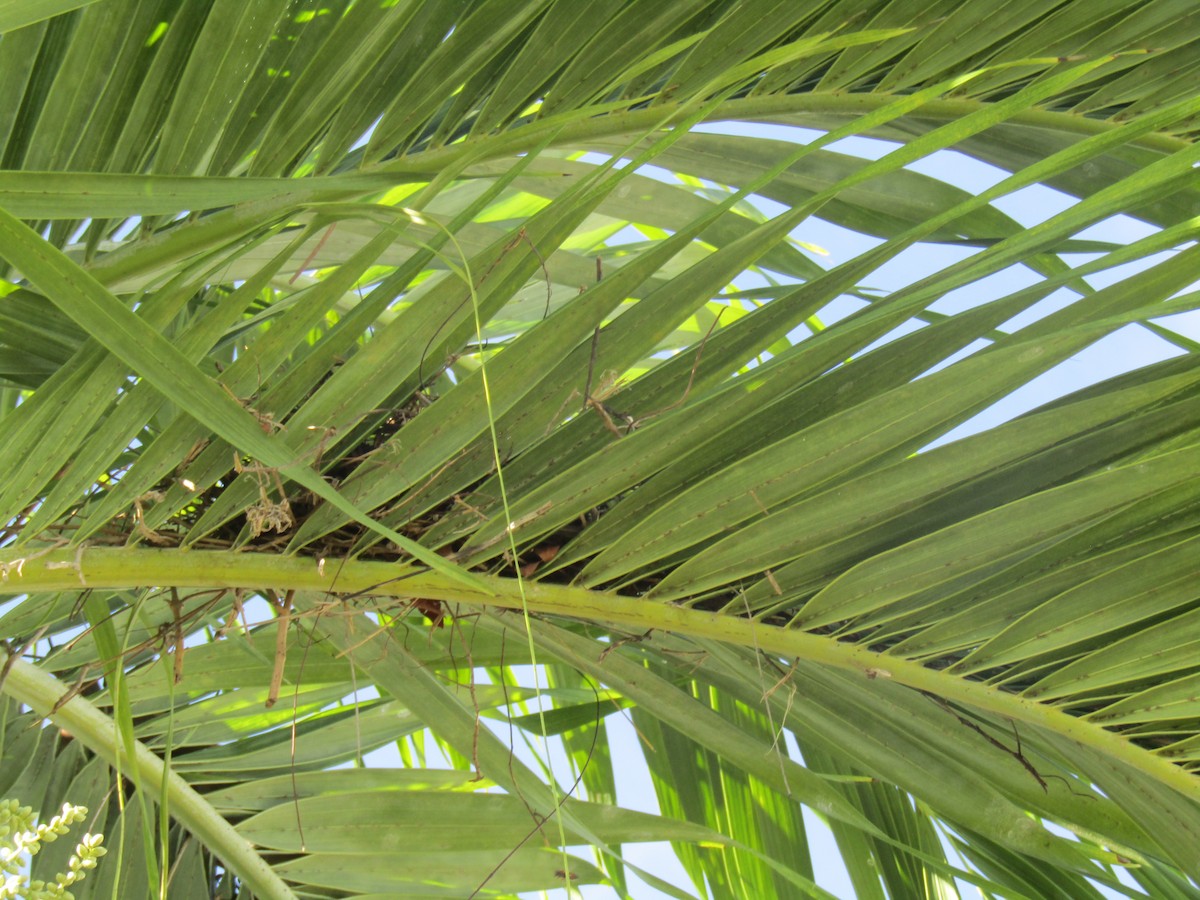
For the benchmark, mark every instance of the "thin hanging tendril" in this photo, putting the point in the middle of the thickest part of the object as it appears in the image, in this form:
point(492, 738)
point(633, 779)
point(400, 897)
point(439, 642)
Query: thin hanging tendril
point(465, 274)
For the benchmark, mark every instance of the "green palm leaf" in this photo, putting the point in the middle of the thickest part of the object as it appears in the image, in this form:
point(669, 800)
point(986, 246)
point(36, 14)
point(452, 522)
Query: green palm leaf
point(322, 327)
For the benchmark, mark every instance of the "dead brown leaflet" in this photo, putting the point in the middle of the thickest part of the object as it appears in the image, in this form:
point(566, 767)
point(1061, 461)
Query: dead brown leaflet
point(621, 642)
point(545, 554)
point(317, 249)
point(266, 421)
point(1015, 754)
point(433, 610)
point(139, 519)
point(478, 513)
point(283, 613)
point(771, 580)
point(177, 632)
point(238, 612)
point(192, 455)
point(266, 515)
point(168, 636)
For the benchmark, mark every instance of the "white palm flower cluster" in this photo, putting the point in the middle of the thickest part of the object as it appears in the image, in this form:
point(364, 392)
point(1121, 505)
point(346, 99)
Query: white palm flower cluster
point(21, 838)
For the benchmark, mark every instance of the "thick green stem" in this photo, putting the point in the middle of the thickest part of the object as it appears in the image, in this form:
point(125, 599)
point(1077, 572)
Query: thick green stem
point(43, 693)
point(130, 568)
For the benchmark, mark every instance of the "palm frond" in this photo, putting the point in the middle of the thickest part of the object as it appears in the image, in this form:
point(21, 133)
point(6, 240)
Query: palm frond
point(324, 327)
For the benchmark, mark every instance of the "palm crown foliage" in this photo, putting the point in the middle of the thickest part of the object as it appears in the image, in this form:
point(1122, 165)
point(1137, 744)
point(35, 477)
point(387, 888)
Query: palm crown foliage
point(373, 311)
